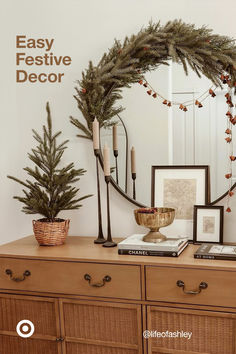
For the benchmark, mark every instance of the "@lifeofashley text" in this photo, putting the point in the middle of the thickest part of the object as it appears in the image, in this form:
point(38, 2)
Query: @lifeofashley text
point(167, 334)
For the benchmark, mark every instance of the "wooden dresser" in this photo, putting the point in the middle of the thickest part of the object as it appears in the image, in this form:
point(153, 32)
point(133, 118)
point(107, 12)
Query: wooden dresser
point(86, 299)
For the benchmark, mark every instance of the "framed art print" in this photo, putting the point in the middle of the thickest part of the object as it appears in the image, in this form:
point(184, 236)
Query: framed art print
point(180, 187)
point(208, 224)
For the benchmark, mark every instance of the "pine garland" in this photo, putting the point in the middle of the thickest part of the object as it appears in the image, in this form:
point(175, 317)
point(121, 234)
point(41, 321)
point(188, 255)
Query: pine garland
point(101, 86)
point(51, 190)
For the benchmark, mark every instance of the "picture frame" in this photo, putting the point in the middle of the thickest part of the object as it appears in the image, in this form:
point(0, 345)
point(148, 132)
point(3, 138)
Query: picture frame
point(208, 224)
point(180, 187)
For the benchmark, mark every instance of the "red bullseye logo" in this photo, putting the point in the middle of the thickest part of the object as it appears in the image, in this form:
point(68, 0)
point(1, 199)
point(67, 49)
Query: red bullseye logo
point(25, 329)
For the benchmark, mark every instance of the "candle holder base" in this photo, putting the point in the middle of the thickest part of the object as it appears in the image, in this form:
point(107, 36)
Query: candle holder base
point(99, 241)
point(109, 244)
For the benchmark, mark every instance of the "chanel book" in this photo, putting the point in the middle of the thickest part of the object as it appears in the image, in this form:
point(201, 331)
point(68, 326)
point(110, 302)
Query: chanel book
point(134, 245)
point(213, 251)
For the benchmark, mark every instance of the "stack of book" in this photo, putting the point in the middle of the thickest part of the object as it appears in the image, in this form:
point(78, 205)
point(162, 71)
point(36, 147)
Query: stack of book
point(134, 245)
point(213, 251)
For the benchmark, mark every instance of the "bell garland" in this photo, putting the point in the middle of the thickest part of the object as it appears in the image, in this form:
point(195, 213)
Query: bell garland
point(170, 103)
point(231, 121)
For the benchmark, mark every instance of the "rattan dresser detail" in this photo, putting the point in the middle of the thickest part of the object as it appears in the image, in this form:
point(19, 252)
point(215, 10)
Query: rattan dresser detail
point(86, 299)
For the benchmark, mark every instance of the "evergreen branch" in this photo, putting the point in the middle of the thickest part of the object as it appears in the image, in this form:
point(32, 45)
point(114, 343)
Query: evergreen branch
point(83, 136)
point(18, 181)
point(80, 126)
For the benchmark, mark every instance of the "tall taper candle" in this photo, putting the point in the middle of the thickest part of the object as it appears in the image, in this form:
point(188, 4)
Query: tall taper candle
point(114, 135)
point(133, 161)
point(96, 134)
point(106, 156)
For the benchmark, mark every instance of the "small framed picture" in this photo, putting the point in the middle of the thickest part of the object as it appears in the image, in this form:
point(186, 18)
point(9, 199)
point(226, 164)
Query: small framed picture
point(208, 224)
point(180, 187)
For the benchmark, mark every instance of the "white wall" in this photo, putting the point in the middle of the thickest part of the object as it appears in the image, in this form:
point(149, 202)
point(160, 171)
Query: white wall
point(83, 30)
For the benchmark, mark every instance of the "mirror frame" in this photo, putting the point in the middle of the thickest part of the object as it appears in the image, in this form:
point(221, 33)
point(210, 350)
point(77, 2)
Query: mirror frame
point(140, 205)
point(125, 194)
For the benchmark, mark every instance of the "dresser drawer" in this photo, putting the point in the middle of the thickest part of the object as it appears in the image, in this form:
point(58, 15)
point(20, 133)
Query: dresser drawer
point(106, 280)
point(217, 287)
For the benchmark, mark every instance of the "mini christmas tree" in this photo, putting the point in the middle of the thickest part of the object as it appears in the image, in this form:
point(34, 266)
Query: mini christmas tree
point(52, 190)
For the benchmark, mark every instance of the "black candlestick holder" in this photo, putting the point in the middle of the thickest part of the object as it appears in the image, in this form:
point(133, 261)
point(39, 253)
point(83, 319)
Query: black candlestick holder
point(100, 239)
point(134, 187)
point(117, 172)
point(109, 242)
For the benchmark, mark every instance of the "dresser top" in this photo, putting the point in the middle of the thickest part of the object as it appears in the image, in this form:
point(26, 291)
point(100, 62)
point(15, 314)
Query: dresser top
point(79, 248)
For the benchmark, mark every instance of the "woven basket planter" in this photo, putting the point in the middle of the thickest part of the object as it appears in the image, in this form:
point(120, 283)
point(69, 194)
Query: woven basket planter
point(51, 233)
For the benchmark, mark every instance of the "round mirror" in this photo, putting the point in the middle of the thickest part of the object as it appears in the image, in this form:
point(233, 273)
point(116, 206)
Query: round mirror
point(163, 135)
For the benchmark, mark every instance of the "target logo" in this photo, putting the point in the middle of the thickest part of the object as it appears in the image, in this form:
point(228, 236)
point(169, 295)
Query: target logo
point(25, 328)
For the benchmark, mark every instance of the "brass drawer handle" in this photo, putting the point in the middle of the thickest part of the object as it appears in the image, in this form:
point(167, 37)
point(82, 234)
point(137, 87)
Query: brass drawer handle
point(105, 280)
point(202, 286)
point(10, 273)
